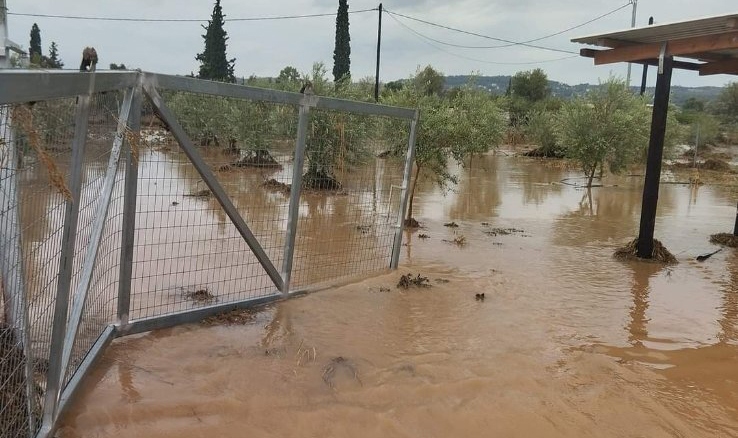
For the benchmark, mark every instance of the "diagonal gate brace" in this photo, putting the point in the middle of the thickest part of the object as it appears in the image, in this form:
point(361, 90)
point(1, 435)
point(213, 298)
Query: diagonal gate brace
point(98, 226)
point(212, 182)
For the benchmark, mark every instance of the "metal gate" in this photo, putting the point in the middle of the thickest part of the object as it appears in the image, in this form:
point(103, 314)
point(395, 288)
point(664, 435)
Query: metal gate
point(133, 201)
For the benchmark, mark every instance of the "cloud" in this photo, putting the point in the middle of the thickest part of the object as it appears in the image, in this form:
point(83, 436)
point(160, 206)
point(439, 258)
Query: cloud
point(265, 47)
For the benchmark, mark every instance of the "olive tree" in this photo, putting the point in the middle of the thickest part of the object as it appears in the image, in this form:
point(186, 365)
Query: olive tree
point(609, 126)
point(455, 129)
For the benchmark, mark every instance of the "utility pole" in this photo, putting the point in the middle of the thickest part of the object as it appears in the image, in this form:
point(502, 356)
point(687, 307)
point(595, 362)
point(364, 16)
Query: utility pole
point(632, 24)
point(379, 45)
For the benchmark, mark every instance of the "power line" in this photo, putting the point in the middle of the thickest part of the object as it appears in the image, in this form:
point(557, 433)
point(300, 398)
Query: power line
point(510, 43)
point(424, 38)
point(599, 17)
point(181, 20)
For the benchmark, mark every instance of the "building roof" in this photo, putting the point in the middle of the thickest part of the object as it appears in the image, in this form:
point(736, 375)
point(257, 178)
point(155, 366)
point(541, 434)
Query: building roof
point(711, 41)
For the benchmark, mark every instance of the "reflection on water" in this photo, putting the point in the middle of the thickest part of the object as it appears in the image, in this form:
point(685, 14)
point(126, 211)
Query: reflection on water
point(569, 341)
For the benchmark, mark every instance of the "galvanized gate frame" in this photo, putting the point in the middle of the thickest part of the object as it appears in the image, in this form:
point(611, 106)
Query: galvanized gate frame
point(19, 86)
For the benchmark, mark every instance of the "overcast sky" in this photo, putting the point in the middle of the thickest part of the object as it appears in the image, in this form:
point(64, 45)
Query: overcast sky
point(263, 48)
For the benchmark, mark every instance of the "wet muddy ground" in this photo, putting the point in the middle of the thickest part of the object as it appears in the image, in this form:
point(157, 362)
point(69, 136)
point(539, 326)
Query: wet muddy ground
point(567, 342)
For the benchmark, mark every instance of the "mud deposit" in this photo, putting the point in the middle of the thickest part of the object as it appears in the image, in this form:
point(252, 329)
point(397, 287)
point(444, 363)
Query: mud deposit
point(568, 342)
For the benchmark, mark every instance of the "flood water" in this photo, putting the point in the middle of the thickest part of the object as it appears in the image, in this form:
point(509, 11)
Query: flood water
point(568, 341)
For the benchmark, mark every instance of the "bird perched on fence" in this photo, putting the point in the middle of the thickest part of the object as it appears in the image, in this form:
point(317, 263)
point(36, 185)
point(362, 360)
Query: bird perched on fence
point(89, 59)
point(307, 88)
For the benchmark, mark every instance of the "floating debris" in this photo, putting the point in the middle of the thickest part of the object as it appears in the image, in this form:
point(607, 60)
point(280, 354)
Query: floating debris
point(442, 280)
point(703, 257)
point(340, 362)
point(406, 281)
point(503, 231)
point(451, 225)
point(659, 254)
point(458, 240)
point(423, 236)
point(204, 193)
point(200, 296)
point(364, 229)
point(725, 239)
point(479, 297)
point(233, 317)
point(305, 354)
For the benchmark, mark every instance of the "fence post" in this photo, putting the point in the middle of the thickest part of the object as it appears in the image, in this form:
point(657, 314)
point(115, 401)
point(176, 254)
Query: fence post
point(61, 306)
point(129, 206)
point(293, 214)
point(404, 193)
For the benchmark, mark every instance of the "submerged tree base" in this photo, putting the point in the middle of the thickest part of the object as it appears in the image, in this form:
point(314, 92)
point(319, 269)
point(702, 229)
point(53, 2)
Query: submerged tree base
point(725, 239)
point(320, 180)
point(660, 253)
point(257, 158)
point(542, 152)
point(411, 223)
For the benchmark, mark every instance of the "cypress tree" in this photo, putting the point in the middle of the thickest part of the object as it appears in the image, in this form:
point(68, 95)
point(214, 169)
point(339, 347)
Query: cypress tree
point(213, 62)
point(342, 52)
point(35, 46)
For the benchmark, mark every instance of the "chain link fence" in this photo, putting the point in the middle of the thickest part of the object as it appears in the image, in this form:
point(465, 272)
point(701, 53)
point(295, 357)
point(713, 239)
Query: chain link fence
point(133, 201)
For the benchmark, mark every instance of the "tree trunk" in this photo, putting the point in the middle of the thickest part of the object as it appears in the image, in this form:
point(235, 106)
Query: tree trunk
point(591, 176)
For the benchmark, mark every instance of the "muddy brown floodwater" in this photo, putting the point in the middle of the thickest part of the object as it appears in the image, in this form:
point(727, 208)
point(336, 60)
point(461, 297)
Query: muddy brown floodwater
point(567, 343)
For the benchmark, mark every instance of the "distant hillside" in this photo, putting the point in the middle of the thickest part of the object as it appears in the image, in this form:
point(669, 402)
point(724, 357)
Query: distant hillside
point(498, 85)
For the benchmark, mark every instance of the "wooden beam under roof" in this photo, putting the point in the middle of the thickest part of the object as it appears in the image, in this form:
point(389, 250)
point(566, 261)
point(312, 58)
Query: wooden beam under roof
point(682, 65)
point(727, 66)
point(680, 47)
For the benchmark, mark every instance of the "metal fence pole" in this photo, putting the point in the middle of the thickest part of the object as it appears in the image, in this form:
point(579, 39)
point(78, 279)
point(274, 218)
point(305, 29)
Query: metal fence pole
point(129, 209)
point(295, 190)
point(69, 237)
point(404, 193)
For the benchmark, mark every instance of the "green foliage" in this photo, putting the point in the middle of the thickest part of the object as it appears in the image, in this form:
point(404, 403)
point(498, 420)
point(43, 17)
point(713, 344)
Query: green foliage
point(471, 123)
point(213, 62)
point(342, 51)
point(428, 82)
point(694, 104)
point(333, 139)
point(702, 125)
point(541, 128)
point(223, 122)
point(53, 60)
point(727, 104)
point(34, 47)
point(394, 86)
point(531, 86)
point(609, 126)
point(289, 78)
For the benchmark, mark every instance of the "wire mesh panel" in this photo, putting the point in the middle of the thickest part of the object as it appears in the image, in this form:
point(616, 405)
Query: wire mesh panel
point(99, 309)
point(351, 190)
point(188, 253)
point(34, 156)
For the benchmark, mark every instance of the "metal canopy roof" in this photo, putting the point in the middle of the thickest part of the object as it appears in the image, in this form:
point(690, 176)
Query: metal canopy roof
point(712, 40)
